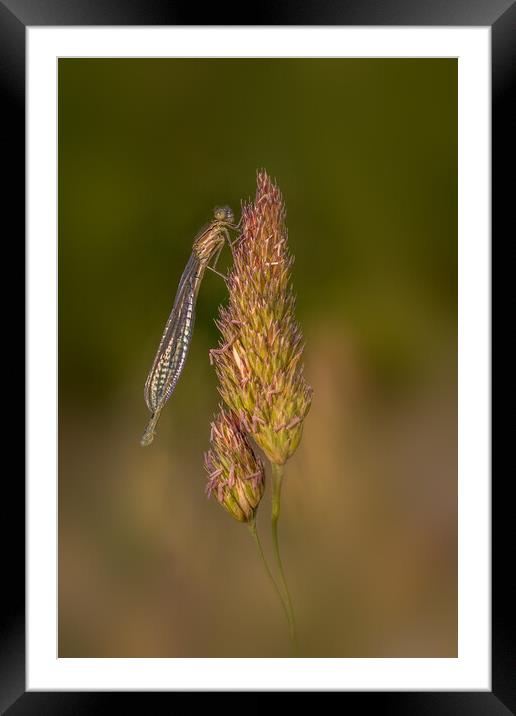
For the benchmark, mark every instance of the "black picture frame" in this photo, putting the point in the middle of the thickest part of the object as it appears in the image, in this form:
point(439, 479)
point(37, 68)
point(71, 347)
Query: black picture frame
point(15, 16)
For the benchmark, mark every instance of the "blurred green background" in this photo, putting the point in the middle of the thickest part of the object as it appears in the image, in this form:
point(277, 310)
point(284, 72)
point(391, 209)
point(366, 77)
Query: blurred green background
point(365, 153)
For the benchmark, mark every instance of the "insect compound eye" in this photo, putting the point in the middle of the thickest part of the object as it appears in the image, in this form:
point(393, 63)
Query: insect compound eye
point(223, 213)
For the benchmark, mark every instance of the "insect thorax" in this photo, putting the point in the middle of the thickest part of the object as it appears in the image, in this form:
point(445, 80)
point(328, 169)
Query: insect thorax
point(210, 240)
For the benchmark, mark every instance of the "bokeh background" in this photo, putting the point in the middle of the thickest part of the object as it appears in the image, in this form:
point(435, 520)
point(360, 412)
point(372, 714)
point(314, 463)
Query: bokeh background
point(365, 152)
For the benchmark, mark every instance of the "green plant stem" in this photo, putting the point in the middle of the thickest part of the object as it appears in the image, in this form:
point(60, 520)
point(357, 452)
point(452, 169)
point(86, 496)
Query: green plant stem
point(254, 533)
point(277, 478)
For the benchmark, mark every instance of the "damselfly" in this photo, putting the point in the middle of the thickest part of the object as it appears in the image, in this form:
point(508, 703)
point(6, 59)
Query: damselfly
point(175, 342)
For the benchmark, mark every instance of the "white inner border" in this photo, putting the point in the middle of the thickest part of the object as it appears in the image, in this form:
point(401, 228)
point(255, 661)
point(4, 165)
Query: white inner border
point(471, 670)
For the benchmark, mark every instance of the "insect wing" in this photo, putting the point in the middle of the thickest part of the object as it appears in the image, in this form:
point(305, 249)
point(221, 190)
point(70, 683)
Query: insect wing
point(175, 342)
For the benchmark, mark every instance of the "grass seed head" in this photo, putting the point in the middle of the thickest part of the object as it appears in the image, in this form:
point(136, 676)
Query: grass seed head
point(259, 362)
point(236, 477)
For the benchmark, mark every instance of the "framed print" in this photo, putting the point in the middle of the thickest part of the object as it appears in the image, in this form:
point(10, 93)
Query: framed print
point(258, 269)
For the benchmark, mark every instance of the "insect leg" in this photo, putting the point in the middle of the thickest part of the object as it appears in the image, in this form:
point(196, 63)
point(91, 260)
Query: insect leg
point(217, 272)
point(226, 236)
point(212, 268)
